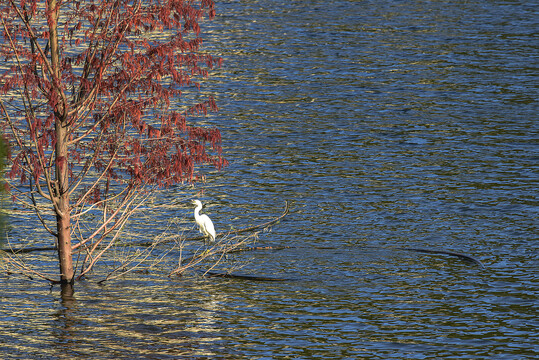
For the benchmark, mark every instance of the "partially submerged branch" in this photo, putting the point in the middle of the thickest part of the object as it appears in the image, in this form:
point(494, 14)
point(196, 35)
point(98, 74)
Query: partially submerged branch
point(242, 277)
point(215, 254)
point(250, 228)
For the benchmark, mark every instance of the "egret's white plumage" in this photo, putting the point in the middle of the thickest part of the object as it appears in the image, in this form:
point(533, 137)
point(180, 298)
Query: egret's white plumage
point(204, 222)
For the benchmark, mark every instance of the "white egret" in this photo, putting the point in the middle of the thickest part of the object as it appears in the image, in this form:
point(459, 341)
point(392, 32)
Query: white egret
point(204, 222)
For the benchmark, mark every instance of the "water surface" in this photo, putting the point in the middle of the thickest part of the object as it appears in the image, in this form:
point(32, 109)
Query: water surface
point(385, 124)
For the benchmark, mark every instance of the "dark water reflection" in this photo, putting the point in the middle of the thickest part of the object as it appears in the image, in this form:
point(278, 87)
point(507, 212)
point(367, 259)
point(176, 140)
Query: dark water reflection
point(385, 123)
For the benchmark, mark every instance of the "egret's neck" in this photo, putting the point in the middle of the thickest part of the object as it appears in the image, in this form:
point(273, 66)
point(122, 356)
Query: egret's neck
point(197, 211)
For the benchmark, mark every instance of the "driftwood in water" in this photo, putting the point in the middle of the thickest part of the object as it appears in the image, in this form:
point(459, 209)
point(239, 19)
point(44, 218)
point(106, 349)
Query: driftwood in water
point(28, 249)
point(255, 248)
point(262, 278)
point(445, 252)
point(242, 277)
point(464, 257)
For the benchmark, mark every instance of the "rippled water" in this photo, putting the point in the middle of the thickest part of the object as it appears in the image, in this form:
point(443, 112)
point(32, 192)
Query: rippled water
point(385, 124)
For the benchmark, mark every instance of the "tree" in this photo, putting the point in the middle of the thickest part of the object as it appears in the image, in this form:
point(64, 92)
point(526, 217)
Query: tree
point(89, 101)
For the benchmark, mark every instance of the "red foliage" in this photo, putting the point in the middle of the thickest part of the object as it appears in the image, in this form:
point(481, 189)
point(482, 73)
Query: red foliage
point(122, 66)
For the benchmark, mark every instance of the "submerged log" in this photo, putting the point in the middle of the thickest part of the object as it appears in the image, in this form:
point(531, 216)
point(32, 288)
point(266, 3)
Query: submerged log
point(462, 256)
point(445, 252)
point(255, 248)
point(242, 277)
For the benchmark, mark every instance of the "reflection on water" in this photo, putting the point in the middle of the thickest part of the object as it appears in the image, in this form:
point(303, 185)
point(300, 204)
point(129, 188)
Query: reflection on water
point(386, 124)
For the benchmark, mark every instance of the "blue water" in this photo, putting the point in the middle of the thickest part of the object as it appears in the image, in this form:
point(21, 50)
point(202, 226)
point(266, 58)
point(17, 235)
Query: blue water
point(385, 124)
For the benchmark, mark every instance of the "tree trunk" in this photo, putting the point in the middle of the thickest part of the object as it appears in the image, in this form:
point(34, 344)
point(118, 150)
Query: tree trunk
point(63, 218)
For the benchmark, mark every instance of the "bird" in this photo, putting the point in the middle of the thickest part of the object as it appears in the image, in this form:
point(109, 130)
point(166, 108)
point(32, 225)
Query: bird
point(205, 225)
